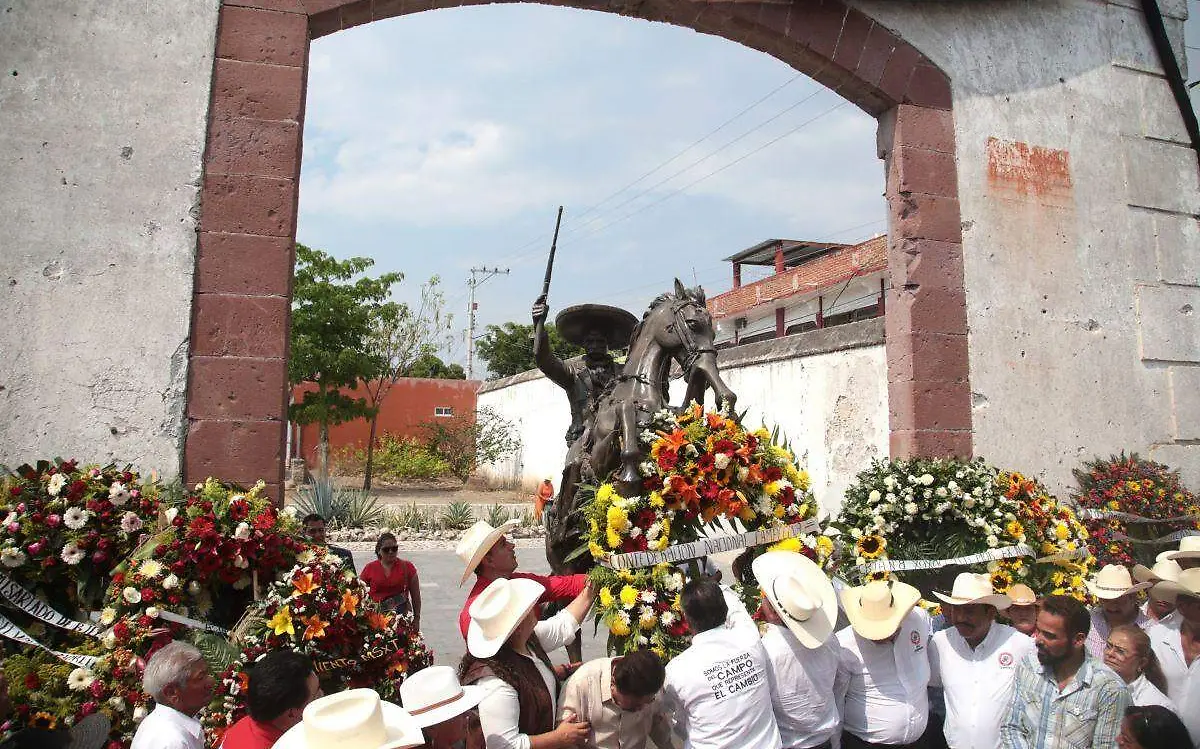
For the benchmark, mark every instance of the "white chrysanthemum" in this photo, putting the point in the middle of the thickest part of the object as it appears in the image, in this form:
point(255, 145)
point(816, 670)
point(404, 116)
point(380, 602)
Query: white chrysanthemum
point(152, 612)
point(992, 541)
point(130, 522)
point(80, 679)
point(75, 518)
point(194, 587)
point(926, 479)
point(132, 595)
point(306, 557)
point(117, 703)
point(151, 568)
point(648, 596)
point(109, 640)
point(170, 582)
point(108, 616)
point(243, 532)
point(139, 713)
point(635, 531)
point(240, 562)
point(940, 491)
point(653, 531)
point(11, 557)
point(667, 618)
point(71, 554)
point(118, 494)
point(170, 514)
point(56, 484)
point(673, 582)
point(874, 495)
point(289, 511)
point(721, 461)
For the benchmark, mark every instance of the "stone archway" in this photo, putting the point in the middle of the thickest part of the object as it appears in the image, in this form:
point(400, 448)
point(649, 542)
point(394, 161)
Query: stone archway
point(237, 387)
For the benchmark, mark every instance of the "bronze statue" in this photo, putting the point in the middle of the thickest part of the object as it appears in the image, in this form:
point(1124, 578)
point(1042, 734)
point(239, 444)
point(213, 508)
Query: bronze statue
point(677, 328)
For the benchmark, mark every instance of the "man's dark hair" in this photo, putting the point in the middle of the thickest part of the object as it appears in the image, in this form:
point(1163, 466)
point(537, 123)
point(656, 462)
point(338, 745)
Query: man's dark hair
point(1156, 727)
point(1073, 613)
point(278, 682)
point(311, 517)
point(639, 674)
point(703, 605)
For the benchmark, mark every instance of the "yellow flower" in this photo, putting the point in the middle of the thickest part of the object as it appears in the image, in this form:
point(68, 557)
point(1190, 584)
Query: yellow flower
point(762, 434)
point(802, 482)
point(662, 543)
point(281, 623)
point(596, 549)
point(870, 547)
point(747, 514)
point(648, 621)
point(618, 520)
point(779, 511)
point(1001, 581)
point(676, 604)
point(629, 595)
point(605, 493)
point(1061, 531)
point(1076, 581)
point(1014, 529)
point(824, 545)
point(656, 500)
point(771, 488)
point(613, 538)
point(618, 627)
point(606, 597)
point(660, 651)
point(788, 544)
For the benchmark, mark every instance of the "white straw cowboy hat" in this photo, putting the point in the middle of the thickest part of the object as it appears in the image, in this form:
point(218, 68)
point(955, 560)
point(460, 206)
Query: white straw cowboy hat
point(1189, 548)
point(971, 588)
point(1113, 581)
point(1163, 570)
point(354, 719)
point(497, 611)
point(1188, 584)
point(1022, 595)
point(434, 695)
point(800, 593)
point(477, 541)
point(876, 609)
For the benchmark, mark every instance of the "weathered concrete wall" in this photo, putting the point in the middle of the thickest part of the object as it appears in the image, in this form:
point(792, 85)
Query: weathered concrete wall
point(1079, 197)
point(826, 390)
point(102, 124)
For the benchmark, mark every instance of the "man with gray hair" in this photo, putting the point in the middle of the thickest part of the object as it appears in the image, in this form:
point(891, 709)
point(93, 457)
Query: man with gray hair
point(177, 678)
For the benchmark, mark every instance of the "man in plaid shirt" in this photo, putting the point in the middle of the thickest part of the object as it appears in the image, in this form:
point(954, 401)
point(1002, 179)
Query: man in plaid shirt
point(1065, 699)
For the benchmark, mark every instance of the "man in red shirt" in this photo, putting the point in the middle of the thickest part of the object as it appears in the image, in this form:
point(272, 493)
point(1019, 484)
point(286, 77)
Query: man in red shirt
point(282, 683)
point(490, 555)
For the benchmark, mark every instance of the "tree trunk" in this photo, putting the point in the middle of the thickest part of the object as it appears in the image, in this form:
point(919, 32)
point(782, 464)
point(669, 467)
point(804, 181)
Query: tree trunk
point(323, 451)
point(367, 470)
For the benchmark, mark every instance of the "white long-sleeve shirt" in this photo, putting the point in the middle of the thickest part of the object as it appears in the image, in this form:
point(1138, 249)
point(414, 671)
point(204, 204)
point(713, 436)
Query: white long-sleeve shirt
point(500, 710)
point(801, 688)
point(978, 682)
point(1183, 681)
point(882, 687)
point(718, 688)
point(1143, 693)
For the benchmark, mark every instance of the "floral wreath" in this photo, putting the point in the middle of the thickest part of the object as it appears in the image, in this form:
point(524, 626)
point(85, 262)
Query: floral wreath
point(702, 465)
point(1128, 484)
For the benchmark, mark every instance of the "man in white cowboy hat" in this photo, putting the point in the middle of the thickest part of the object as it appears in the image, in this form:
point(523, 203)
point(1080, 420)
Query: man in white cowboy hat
point(1160, 601)
point(1176, 642)
point(883, 666)
point(354, 719)
point(1188, 553)
point(439, 705)
point(1116, 593)
point(488, 553)
point(800, 608)
point(1063, 698)
point(717, 690)
point(619, 699)
point(974, 661)
point(1021, 614)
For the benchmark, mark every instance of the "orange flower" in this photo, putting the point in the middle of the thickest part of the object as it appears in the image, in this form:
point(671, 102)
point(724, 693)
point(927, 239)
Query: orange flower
point(681, 488)
point(243, 681)
point(715, 421)
point(314, 627)
point(378, 621)
point(398, 668)
point(674, 441)
point(349, 603)
point(304, 583)
point(754, 475)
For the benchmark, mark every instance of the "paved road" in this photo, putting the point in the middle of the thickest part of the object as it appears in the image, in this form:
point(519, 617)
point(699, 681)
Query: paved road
point(442, 599)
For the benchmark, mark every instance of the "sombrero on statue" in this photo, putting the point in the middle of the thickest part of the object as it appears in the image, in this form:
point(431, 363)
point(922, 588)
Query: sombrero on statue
point(616, 324)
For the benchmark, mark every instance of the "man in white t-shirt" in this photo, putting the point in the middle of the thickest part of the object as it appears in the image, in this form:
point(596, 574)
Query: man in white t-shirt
point(974, 661)
point(717, 689)
point(800, 609)
point(883, 666)
point(1177, 645)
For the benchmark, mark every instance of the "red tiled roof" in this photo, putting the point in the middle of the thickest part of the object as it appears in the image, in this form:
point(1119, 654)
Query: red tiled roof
point(822, 272)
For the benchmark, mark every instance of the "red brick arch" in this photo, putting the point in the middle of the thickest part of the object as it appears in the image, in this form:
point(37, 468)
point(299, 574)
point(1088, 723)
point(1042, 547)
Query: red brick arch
point(237, 388)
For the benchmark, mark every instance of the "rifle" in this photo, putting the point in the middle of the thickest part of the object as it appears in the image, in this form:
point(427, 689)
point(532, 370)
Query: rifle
point(550, 261)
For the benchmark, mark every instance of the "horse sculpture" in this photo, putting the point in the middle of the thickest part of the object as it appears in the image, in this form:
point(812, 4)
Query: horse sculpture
point(677, 328)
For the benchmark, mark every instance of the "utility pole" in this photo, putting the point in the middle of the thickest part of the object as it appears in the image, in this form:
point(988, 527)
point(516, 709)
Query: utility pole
point(478, 277)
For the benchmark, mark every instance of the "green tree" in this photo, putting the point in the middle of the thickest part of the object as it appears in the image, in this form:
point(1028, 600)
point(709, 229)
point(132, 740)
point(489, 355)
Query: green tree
point(333, 306)
point(400, 337)
point(470, 440)
point(432, 367)
point(508, 348)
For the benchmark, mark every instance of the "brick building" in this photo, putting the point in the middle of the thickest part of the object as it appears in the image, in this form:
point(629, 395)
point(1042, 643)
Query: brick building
point(814, 285)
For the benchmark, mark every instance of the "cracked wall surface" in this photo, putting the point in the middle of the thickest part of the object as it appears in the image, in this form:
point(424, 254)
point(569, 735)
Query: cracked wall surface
point(103, 109)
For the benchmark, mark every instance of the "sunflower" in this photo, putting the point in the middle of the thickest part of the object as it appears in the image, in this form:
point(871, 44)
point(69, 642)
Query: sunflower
point(871, 577)
point(1001, 581)
point(870, 547)
point(43, 720)
point(1015, 529)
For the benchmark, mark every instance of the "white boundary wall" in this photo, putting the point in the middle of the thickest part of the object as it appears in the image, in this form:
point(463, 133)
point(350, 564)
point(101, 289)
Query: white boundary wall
point(826, 390)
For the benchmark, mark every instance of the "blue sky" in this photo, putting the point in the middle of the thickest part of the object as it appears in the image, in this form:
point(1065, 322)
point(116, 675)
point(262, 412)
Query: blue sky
point(433, 160)
point(443, 140)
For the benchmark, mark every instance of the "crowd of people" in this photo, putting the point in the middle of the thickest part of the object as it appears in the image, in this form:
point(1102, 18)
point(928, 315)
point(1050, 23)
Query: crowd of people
point(859, 666)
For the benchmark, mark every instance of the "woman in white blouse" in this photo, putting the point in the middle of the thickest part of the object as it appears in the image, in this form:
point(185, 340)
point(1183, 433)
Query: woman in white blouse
point(507, 654)
point(1128, 653)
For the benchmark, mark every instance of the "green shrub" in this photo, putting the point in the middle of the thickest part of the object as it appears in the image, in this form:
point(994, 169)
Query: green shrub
point(342, 507)
point(496, 515)
point(457, 516)
point(398, 458)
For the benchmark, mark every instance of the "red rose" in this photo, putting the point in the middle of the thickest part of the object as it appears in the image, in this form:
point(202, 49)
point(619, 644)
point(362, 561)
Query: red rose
point(148, 595)
point(97, 689)
point(31, 681)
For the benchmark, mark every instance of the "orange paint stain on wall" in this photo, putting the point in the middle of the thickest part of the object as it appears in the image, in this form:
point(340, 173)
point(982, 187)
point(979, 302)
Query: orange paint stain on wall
point(1036, 174)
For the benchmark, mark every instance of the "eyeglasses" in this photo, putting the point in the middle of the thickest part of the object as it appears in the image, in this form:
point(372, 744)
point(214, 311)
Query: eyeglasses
point(1117, 649)
point(387, 549)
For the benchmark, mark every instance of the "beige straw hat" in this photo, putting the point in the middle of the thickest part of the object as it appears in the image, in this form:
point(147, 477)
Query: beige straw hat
point(497, 611)
point(1188, 584)
point(1189, 548)
point(972, 588)
point(354, 719)
point(1113, 581)
point(800, 593)
point(434, 695)
point(477, 541)
point(1022, 595)
point(1164, 569)
point(876, 609)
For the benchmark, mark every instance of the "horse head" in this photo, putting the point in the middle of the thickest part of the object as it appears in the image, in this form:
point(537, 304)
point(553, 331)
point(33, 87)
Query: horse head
point(680, 323)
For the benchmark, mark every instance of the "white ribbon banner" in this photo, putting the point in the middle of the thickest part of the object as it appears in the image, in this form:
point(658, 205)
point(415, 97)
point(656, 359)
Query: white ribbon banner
point(1170, 538)
point(901, 565)
point(193, 623)
point(13, 632)
point(1065, 556)
point(35, 607)
point(1090, 514)
point(706, 546)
